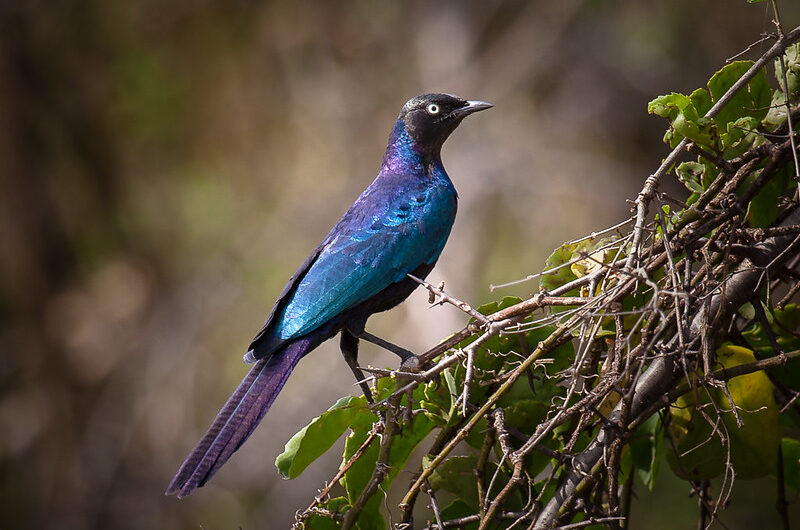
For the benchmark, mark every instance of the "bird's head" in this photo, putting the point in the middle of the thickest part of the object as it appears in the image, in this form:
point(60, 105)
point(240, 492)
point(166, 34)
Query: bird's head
point(430, 118)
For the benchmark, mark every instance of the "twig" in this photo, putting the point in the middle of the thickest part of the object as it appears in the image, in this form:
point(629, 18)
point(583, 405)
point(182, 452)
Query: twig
point(462, 521)
point(786, 94)
point(470, 368)
point(381, 467)
point(543, 347)
point(394, 373)
point(494, 506)
point(628, 495)
point(448, 299)
point(587, 522)
point(780, 504)
point(480, 469)
point(661, 374)
point(572, 261)
point(789, 295)
point(377, 427)
point(703, 500)
point(434, 504)
point(749, 47)
point(726, 374)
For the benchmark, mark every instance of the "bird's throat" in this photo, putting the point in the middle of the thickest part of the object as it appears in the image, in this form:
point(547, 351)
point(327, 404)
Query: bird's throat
point(402, 154)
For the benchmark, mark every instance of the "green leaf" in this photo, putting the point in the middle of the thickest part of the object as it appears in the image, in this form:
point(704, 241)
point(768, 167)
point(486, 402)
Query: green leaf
point(487, 309)
point(562, 356)
point(698, 453)
point(456, 475)
point(557, 278)
point(691, 174)
point(763, 209)
point(437, 403)
point(595, 259)
point(672, 105)
point(497, 305)
point(785, 322)
point(701, 100)
point(787, 319)
point(320, 522)
point(490, 356)
point(586, 256)
point(672, 138)
point(452, 391)
point(405, 443)
point(458, 509)
point(741, 136)
point(791, 462)
point(476, 435)
point(525, 416)
point(747, 311)
point(646, 447)
point(752, 100)
point(791, 59)
point(696, 130)
point(547, 487)
point(358, 476)
point(625, 462)
point(685, 119)
point(777, 112)
point(318, 436)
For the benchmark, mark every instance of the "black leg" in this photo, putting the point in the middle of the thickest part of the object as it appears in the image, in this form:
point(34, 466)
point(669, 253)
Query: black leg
point(409, 359)
point(349, 346)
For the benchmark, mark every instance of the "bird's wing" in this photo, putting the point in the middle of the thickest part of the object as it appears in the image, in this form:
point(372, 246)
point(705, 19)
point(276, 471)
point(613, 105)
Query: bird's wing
point(280, 303)
point(368, 255)
point(384, 236)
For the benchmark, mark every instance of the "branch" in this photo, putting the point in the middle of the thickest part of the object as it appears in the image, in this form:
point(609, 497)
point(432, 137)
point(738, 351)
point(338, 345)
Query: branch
point(543, 347)
point(662, 374)
point(376, 428)
point(652, 182)
point(381, 467)
point(445, 298)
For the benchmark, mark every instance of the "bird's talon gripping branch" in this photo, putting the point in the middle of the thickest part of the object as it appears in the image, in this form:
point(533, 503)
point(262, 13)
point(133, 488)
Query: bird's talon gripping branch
point(412, 364)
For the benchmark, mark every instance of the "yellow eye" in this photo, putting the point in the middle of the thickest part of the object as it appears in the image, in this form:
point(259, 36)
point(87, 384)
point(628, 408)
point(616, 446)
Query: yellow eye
point(432, 108)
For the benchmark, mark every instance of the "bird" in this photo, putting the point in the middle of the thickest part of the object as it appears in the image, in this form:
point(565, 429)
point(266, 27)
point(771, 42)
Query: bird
point(397, 227)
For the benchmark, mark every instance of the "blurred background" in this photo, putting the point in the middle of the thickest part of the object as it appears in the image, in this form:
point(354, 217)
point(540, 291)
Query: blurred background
point(164, 168)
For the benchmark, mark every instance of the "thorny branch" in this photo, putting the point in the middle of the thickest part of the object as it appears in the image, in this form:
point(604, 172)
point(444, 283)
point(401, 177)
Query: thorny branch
point(689, 274)
point(651, 184)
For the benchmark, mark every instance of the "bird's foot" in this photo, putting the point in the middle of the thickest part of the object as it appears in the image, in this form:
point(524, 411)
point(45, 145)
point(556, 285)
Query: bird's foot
point(412, 364)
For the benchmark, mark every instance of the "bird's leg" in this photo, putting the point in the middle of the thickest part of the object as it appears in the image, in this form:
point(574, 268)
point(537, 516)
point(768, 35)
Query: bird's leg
point(409, 360)
point(349, 346)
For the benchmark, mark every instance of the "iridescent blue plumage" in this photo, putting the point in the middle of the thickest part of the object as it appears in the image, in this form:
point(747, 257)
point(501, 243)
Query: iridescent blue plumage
point(399, 222)
point(397, 226)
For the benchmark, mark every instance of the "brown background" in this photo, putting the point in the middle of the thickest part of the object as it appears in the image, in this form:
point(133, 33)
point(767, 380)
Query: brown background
point(165, 166)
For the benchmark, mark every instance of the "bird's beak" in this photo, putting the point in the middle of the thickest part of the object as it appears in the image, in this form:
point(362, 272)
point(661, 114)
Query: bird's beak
point(473, 106)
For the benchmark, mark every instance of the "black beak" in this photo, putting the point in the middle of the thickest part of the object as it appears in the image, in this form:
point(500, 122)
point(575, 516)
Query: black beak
point(471, 107)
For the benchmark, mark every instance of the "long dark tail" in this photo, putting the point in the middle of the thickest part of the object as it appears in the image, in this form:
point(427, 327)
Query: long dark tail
point(239, 417)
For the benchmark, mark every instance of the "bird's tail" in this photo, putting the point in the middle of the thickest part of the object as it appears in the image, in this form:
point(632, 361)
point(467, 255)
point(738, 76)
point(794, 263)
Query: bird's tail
point(239, 417)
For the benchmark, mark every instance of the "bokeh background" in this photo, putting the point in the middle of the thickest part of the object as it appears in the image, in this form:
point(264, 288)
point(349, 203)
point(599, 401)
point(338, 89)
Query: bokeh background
point(164, 167)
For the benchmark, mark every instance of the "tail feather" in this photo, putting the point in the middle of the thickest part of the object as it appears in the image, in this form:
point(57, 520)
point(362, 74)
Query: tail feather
point(238, 418)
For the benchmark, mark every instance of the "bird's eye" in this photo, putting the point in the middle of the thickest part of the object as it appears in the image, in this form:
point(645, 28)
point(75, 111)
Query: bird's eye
point(432, 108)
